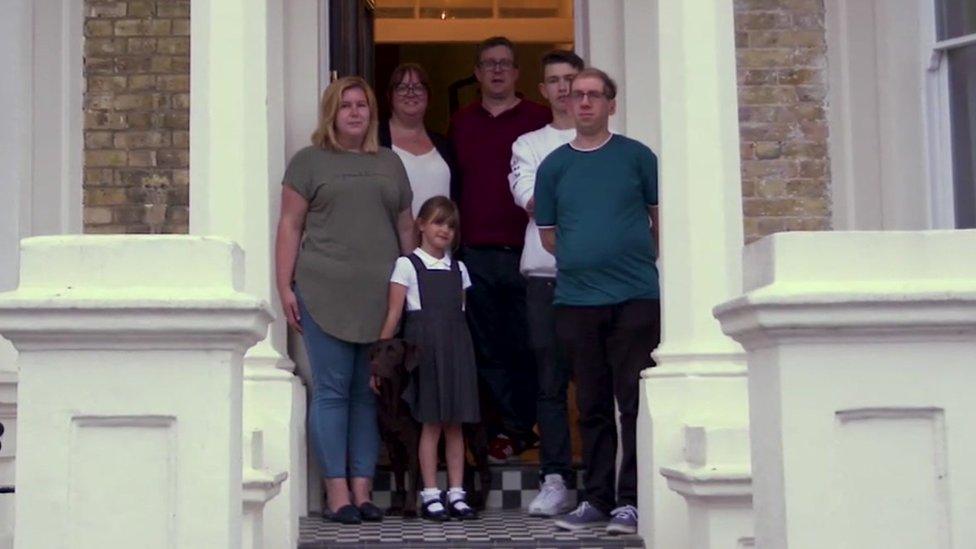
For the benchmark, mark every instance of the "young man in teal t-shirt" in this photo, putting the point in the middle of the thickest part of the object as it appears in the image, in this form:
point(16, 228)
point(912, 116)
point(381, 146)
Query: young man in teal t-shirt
point(593, 201)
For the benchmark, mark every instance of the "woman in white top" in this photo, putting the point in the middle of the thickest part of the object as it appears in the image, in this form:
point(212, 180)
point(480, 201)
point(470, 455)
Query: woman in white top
point(426, 155)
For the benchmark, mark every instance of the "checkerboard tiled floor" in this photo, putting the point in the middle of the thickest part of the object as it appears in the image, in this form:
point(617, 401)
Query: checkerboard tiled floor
point(512, 486)
point(496, 529)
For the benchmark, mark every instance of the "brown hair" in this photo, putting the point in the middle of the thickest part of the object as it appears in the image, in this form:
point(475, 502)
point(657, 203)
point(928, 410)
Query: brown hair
point(491, 43)
point(401, 72)
point(440, 209)
point(325, 134)
point(569, 57)
point(609, 86)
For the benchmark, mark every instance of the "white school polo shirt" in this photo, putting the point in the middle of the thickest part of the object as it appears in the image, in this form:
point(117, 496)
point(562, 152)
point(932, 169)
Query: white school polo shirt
point(405, 275)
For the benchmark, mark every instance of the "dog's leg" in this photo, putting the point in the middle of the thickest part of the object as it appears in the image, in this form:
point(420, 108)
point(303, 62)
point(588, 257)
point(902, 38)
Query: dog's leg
point(412, 460)
point(397, 455)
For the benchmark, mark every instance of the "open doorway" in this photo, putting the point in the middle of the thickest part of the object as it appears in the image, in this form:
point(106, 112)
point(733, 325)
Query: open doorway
point(441, 36)
point(370, 38)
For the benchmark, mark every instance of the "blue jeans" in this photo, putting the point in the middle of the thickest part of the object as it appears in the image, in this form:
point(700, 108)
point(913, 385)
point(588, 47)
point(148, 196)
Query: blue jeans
point(342, 418)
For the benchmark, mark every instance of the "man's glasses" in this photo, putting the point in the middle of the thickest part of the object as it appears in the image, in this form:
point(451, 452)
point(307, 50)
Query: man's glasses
point(496, 64)
point(409, 89)
point(591, 95)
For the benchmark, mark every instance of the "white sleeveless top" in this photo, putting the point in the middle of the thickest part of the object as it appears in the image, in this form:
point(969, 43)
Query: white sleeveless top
point(428, 174)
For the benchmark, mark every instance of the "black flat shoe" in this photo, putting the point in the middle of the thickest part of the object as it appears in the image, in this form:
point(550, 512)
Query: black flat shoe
point(370, 512)
point(347, 514)
point(462, 512)
point(436, 516)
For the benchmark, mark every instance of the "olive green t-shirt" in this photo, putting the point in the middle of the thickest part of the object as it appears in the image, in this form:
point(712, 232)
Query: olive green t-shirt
point(351, 240)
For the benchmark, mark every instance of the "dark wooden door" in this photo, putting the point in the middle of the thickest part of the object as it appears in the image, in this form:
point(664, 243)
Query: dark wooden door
point(351, 47)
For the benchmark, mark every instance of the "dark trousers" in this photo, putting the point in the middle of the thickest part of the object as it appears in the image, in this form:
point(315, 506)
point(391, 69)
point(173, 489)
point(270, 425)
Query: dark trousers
point(608, 347)
point(555, 451)
point(496, 314)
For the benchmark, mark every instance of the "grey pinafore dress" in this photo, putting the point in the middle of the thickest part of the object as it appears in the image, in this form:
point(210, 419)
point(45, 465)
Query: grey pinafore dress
point(444, 388)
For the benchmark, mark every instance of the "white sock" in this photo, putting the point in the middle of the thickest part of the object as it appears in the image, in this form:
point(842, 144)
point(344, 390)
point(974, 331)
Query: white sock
point(456, 494)
point(432, 494)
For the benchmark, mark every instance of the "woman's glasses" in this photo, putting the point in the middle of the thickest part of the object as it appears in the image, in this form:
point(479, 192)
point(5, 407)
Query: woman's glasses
point(404, 90)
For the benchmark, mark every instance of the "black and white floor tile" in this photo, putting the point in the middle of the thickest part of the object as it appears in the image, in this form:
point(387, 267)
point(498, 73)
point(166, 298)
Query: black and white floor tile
point(496, 529)
point(512, 486)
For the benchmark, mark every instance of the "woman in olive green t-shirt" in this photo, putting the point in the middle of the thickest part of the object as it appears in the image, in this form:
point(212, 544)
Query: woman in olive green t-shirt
point(345, 218)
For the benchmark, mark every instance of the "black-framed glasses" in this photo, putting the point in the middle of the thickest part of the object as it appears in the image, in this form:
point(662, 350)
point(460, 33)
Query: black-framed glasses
point(496, 64)
point(409, 89)
point(578, 95)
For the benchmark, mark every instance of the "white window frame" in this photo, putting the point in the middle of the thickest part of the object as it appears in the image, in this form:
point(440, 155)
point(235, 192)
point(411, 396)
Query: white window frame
point(939, 117)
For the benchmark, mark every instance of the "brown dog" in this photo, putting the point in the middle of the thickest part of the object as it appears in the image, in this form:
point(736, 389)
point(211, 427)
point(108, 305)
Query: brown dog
point(393, 361)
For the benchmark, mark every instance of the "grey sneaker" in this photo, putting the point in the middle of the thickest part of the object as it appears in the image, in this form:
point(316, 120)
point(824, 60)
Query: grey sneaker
point(583, 517)
point(624, 520)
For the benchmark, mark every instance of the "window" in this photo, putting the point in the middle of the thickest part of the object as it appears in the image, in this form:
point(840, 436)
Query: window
point(954, 62)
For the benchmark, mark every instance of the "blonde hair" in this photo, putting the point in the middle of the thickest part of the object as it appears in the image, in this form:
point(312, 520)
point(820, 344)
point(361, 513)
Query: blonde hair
point(325, 134)
point(440, 209)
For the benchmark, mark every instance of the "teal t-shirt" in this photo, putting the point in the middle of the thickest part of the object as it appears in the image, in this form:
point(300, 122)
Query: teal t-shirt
point(597, 200)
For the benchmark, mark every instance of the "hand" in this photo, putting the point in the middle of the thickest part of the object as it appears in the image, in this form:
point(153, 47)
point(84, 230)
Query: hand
point(374, 384)
point(530, 207)
point(289, 303)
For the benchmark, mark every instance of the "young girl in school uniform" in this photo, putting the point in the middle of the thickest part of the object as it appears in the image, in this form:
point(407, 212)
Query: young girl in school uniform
point(443, 392)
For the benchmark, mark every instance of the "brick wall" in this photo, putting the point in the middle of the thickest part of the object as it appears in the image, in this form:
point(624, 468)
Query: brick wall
point(781, 53)
point(137, 75)
point(137, 115)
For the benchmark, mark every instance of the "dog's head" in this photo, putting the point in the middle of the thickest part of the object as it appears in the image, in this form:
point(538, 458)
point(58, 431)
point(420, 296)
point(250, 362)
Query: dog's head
point(392, 361)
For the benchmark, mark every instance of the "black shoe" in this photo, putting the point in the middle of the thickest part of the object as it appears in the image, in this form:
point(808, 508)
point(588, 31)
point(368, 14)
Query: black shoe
point(370, 512)
point(460, 510)
point(436, 516)
point(347, 514)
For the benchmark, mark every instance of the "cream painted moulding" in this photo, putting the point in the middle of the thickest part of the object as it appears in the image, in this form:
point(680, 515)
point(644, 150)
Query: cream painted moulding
point(61, 306)
point(896, 287)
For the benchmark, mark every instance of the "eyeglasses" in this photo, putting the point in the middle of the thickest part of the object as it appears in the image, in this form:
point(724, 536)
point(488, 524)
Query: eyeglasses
point(591, 95)
point(410, 89)
point(496, 64)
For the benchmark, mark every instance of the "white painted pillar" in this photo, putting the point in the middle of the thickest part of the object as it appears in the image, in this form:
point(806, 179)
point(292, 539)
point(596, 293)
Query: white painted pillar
point(130, 354)
point(715, 480)
point(700, 377)
point(861, 369)
point(40, 163)
point(237, 158)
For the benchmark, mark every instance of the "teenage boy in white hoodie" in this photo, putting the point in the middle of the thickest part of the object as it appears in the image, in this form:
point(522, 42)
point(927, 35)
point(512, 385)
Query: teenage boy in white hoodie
point(539, 267)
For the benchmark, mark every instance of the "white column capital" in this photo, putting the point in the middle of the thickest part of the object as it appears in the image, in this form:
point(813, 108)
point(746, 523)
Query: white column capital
point(129, 419)
point(861, 349)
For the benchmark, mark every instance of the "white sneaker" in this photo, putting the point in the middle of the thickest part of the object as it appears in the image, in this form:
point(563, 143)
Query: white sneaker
point(553, 498)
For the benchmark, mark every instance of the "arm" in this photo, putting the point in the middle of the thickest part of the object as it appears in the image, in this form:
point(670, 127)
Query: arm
point(406, 233)
point(521, 180)
point(655, 228)
point(548, 237)
point(289, 235)
point(394, 310)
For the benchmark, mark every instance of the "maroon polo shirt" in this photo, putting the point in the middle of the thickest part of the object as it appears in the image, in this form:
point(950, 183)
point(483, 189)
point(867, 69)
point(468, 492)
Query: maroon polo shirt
point(483, 144)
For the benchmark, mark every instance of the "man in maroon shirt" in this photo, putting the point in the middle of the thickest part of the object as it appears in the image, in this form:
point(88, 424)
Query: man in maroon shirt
point(492, 235)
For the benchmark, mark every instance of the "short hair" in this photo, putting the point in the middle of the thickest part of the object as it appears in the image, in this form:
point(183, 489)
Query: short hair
point(493, 42)
point(325, 134)
point(609, 86)
point(401, 72)
point(569, 57)
point(440, 209)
